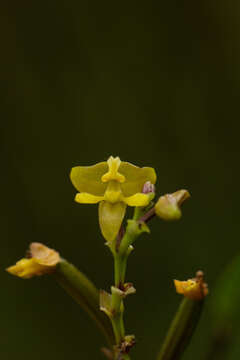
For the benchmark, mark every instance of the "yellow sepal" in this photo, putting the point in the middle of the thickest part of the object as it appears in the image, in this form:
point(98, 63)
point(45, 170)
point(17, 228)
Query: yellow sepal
point(85, 198)
point(136, 177)
point(88, 178)
point(137, 200)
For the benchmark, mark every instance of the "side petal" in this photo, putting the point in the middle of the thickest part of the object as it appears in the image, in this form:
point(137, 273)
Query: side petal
point(85, 198)
point(137, 200)
point(136, 177)
point(88, 178)
point(110, 219)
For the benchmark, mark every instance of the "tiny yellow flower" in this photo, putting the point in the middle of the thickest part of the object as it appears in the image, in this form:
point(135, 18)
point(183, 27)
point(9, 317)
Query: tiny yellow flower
point(194, 289)
point(43, 260)
point(114, 185)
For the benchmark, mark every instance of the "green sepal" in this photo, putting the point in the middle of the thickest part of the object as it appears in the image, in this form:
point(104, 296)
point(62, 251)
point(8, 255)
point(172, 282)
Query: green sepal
point(84, 292)
point(181, 329)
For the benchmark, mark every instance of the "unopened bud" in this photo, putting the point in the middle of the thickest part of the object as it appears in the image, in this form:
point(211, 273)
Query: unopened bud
point(168, 206)
point(148, 188)
point(195, 289)
point(41, 260)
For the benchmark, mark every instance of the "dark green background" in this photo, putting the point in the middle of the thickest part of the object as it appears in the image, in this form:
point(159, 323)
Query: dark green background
point(154, 82)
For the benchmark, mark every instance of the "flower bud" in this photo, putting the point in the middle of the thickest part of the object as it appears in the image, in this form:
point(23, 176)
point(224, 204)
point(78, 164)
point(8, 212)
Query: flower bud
point(148, 188)
point(42, 260)
point(168, 206)
point(195, 289)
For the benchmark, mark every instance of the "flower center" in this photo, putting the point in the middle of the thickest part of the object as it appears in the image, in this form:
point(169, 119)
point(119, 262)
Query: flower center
point(113, 193)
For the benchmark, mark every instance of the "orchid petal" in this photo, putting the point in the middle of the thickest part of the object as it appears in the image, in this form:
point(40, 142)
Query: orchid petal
point(85, 198)
point(137, 200)
point(136, 177)
point(110, 219)
point(88, 178)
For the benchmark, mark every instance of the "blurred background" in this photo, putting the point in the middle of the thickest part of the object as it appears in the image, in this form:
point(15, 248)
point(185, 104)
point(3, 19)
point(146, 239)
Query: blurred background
point(156, 83)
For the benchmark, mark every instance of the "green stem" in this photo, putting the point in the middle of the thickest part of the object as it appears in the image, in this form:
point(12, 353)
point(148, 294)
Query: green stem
point(132, 232)
point(118, 328)
point(83, 291)
point(120, 265)
point(181, 329)
point(117, 302)
point(121, 250)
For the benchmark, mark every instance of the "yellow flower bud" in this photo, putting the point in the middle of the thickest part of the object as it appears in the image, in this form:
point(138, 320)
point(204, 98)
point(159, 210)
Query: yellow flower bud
point(43, 260)
point(195, 289)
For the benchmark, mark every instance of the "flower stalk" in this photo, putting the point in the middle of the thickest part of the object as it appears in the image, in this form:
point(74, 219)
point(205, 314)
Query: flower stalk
point(84, 292)
point(181, 329)
point(113, 304)
point(186, 319)
point(118, 294)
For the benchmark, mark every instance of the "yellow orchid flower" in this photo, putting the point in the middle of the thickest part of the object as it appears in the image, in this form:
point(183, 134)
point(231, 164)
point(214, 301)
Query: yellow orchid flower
point(114, 184)
point(43, 260)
